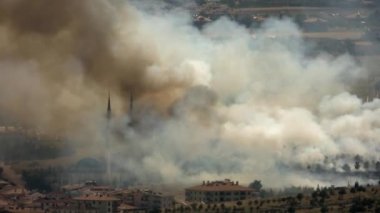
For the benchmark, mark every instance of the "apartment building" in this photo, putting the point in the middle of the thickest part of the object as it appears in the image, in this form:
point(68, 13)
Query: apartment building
point(218, 191)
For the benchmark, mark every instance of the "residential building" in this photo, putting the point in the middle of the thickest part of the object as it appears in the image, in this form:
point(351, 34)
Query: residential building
point(218, 191)
point(126, 208)
point(146, 199)
point(97, 202)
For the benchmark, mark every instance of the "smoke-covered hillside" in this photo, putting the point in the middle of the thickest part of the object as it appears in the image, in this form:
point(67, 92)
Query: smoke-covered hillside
point(209, 103)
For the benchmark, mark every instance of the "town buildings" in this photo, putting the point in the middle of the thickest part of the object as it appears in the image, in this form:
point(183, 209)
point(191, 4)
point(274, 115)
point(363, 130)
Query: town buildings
point(100, 202)
point(146, 199)
point(82, 198)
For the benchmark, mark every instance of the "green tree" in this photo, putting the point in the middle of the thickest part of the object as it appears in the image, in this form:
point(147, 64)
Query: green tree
point(200, 207)
point(366, 165)
point(356, 185)
point(299, 196)
point(357, 165)
point(377, 166)
point(346, 168)
point(256, 185)
point(341, 193)
point(291, 209)
point(324, 209)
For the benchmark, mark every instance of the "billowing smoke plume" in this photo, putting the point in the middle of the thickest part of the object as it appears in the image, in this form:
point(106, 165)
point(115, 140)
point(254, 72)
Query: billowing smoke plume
point(211, 103)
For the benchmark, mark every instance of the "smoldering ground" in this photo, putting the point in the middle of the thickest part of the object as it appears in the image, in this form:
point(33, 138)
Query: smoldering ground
point(210, 103)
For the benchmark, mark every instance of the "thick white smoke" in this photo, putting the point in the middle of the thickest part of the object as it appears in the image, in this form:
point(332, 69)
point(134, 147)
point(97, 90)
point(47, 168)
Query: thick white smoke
point(252, 108)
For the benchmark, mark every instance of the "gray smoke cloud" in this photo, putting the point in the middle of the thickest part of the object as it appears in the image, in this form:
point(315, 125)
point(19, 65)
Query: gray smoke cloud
point(212, 103)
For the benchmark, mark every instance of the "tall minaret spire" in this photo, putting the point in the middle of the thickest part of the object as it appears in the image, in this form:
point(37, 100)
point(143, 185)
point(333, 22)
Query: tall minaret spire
point(109, 109)
point(107, 151)
point(131, 103)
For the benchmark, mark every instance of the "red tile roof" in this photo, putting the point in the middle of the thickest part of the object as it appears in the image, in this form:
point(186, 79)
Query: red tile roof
point(96, 197)
point(125, 206)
